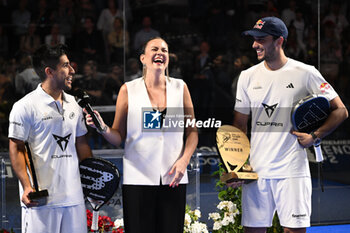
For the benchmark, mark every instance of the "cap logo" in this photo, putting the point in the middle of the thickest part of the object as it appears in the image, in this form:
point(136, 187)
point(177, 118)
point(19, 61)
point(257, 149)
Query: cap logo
point(259, 24)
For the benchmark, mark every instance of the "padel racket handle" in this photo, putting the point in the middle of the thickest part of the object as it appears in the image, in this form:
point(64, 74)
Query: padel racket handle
point(318, 153)
point(94, 225)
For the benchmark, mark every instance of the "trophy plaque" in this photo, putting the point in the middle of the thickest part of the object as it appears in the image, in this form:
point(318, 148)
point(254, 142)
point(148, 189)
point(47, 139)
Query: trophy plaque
point(234, 148)
point(37, 195)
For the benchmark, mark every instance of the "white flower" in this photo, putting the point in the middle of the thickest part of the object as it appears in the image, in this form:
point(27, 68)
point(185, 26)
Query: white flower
point(225, 221)
point(232, 207)
point(215, 216)
point(221, 205)
point(187, 219)
point(225, 204)
point(198, 227)
point(217, 226)
point(230, 217)
point(119, 223)
point(197, 213)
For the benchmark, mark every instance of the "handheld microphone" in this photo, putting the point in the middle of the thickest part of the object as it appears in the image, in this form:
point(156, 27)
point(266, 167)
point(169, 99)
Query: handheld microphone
point(83, 99)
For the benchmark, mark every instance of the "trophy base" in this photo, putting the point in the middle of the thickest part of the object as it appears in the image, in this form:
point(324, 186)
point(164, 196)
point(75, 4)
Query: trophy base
point(247, 177)
point(38, 194)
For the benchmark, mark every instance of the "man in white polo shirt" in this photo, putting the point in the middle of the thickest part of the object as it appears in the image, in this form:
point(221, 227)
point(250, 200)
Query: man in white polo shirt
point(267, 92)
point(52, 124)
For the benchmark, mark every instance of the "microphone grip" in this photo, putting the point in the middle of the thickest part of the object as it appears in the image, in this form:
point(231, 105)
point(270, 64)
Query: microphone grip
point(95, 119)
point(318, 153)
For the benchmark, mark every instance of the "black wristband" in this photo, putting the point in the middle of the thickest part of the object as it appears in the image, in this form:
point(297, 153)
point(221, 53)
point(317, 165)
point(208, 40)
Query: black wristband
point(313, 135)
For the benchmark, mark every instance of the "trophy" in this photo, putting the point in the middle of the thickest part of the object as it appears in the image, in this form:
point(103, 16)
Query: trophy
point(37, 195)
point(234, 150)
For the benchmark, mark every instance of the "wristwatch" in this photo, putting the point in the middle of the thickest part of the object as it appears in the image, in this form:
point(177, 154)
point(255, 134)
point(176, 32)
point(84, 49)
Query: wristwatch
point(103, 130)
point(317, 140)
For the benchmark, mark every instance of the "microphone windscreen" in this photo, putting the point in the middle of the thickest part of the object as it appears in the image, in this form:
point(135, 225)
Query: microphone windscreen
point(82, 97)
point(80, 94)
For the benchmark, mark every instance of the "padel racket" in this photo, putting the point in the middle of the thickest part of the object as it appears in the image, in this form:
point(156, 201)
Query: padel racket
point(308, 115)
point(100, 179)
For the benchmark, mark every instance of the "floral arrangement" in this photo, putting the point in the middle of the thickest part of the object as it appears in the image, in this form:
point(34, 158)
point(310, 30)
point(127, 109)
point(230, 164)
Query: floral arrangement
point(192, 225)
point(118, 225)
point(105, 224)
point(6, 231)
point(224, 220)
point(234, 195)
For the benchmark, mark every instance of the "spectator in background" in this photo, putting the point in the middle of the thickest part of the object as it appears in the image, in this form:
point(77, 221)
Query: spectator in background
point(202, 82)
point(337, 18)
point(218, 26)
point(105, 23)
point(240, 63)
point(6, 14)
point(114, 80)
point(345, 71)
point(299, 24)
point(311, 47)
point(118, 41)
point(84, 9)
point(7, 98)
point(10, 69)
point(174, 68)
point(64, 17)
point(21, 18)
point(144, 34)
point(271, 9)
point(27, 80)
point(112, 84)
point(90, 42)
point(331, 53)
point(30, 41)
point(288, 14)
point(42, 17)
point(133, 70)
point(293, 48)
point(7, 91)
point(222, 96)
point(55, 37)
point(4, 42)
point(20, 21)
point(91, 82)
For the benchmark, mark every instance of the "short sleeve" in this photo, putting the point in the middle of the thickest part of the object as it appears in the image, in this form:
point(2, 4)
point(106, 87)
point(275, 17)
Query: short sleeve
point(318, 85)
point(242, 104)
point(19, 122)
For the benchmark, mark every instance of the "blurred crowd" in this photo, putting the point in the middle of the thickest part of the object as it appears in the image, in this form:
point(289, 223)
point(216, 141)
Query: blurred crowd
point(204, 37)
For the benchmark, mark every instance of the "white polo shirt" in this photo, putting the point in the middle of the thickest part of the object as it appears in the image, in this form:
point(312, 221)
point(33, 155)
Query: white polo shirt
point(51, 131)
point(269, 97)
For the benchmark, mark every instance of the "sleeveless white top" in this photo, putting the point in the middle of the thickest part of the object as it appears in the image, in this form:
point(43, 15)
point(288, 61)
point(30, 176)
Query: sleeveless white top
point(150, 154)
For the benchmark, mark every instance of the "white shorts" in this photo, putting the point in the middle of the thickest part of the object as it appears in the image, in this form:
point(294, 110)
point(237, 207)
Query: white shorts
point(291, 197)
point(54, 219)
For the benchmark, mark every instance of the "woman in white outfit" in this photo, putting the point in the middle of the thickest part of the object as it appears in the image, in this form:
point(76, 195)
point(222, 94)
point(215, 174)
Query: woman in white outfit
point(156, 155)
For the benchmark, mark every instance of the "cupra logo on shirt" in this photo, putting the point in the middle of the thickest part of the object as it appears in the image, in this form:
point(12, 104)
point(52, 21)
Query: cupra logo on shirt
point(62, 141)
point(269, 109)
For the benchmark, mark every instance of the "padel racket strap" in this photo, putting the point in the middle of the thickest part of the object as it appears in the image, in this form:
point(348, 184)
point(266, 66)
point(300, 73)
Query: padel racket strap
point(321, 177)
